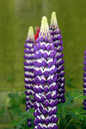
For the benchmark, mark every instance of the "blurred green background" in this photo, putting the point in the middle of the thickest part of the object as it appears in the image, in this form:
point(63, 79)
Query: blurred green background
point(15, 18)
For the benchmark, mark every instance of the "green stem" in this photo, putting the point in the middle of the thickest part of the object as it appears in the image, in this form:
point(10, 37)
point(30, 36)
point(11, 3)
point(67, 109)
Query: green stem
point(58, 120)
point(68, 124)
point(11, 118)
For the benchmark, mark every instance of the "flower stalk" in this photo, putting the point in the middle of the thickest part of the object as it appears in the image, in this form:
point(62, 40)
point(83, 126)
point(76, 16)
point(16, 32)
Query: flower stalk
point(57, 39)
point(45, 80)
point(29, 71)
point(84, 79)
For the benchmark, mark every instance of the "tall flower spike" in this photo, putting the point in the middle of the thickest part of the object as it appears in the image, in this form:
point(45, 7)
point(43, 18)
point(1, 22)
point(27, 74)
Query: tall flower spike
point(29, 70)
point(45, 77)
point(84, 79)
point(57, 39)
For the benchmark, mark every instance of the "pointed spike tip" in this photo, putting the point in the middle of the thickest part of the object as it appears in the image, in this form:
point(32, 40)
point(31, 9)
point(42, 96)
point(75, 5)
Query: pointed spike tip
point(53, 19)
point(44, 20)
point(30, 30)
point(44, 26)
point(30, 33)
point(53, 14)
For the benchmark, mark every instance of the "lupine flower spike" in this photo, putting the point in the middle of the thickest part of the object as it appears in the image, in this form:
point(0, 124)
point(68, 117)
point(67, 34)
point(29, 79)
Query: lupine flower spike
point(84, 79)
point(57, 39)
point(45, 88)
point(29, 70)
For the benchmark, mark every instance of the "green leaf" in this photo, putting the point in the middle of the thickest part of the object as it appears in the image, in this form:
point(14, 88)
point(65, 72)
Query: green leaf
point(69, 82)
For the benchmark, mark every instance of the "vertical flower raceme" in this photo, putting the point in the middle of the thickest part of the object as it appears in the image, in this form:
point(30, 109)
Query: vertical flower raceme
point(57, 39)
point(29, 71)
point(84, 79)
point(45, 80)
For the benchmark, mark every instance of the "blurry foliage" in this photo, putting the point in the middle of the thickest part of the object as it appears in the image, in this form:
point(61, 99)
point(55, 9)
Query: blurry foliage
point(71, 114)
point(69, 83)
point(10, 79)
point(15, 108)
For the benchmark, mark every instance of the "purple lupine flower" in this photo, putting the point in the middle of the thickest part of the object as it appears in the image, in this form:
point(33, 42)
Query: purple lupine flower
point(29, 71)
point(45, 80)
point(84, 79)
point(57, 39)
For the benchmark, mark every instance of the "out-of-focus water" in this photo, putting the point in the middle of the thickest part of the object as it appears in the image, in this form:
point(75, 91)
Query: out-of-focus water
point(15, 18)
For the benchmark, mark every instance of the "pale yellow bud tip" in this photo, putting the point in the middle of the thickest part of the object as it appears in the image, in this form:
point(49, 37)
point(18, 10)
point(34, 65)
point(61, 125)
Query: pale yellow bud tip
point(30, 33)
point(53, 14)
point(53, 19)
point(44, 25)
point(44, 20)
